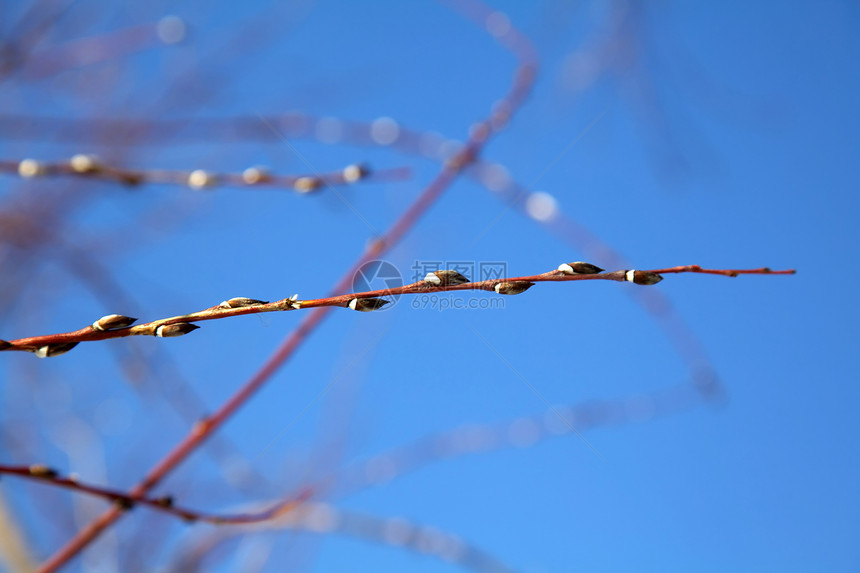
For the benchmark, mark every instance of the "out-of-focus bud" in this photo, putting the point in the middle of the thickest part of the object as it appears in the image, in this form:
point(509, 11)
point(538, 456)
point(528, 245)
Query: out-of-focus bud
point(165, 501)
point(50, 350)
point(307, 184)
point(178, 329)
point(4, 345)
point(254, 175)
point(445, 278)
point(31, 168)
point(513, 287)
point(124, 503)
point(82, 163)
point(367, 304)
point(579, 268)
point(113, 321)
point(171, 29)
point(352, 173)
point(642, 277)
point(201, 179)
point(42, 471)
point(240, 302)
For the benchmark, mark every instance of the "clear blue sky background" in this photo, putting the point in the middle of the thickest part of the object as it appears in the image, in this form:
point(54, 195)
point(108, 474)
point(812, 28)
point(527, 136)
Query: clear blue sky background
point(720, 134)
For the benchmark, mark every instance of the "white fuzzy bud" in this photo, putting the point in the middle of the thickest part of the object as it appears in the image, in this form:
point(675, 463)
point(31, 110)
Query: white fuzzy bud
point(201, 179)
point(579, 268)
point(30, 168)
point(447, 278)
point(82, 163)
point(513, 287)
point(254, 175)
point(240, 302)
point(50, 350)
point(171, 29)
point(432, 279)
point(113, 321)
point(352, 173)
point(384, 131)
point(642, 277)
point(178, 329)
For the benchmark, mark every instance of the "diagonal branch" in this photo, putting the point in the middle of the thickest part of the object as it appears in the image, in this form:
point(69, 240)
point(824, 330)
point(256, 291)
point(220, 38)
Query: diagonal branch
point(480, 134)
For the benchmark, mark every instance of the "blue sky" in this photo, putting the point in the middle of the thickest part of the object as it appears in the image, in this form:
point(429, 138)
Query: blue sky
point(678, 133)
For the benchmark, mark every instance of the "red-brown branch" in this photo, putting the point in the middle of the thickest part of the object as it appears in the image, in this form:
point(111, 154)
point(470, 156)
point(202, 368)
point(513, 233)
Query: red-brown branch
point(522, 83)
point(89, 334)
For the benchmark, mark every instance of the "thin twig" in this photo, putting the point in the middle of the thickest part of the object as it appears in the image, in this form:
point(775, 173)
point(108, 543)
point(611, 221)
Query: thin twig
point(55, 344)
point(327, 519)
point(89, 166)
point(164, 504)
point(98, 48)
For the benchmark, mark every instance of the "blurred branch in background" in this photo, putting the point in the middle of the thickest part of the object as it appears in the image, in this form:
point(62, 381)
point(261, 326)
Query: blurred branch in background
point(129, 97)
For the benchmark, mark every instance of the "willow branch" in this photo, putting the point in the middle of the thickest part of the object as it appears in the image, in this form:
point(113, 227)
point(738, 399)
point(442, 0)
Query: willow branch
point(164, 504)
point(109, 46)
point(521, 432)
point(91, 167)
point(327, 519)
point(118, 326)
